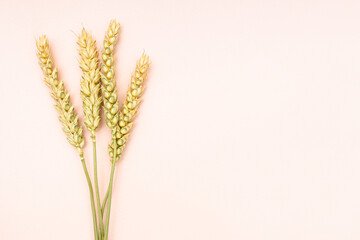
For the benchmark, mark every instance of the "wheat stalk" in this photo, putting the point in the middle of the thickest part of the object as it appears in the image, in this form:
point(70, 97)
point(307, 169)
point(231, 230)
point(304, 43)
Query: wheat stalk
point(67, 116)
point(90, 81)
point(90, 95)
point(125, 123)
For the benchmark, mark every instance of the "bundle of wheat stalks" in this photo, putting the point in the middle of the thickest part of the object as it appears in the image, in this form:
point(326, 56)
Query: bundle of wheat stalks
point(98, 88)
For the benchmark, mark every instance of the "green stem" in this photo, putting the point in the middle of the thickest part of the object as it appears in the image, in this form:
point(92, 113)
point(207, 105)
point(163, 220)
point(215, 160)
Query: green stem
point(104, 201)
point(91, 197)
point(110, 191)
point(101, 225)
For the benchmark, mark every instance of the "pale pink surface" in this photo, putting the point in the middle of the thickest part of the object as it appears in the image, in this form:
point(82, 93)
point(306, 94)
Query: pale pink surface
point(249, 128)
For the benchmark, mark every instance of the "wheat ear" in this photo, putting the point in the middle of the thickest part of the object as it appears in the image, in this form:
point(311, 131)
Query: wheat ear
point(130, 105)
point(90, 81)
point(67, 116)
point(109, 92)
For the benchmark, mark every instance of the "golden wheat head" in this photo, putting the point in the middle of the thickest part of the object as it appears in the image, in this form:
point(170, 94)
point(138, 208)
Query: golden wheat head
point(65, 110)
point(130, 106)
point(90, 81)
point(109, 92)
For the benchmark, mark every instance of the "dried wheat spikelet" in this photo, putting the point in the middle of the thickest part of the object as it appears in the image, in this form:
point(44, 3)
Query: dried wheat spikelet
point(90, 81)
point(130, 106)
point(109, 92)
point(67, 116)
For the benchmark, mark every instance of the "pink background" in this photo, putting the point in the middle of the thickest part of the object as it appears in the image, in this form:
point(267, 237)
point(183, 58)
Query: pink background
point(249, 128)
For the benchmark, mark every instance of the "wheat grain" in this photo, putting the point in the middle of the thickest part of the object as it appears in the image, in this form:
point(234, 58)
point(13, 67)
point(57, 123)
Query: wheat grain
point(130, 106)
point(90, 81)
point(109, 91)
point(65, 110)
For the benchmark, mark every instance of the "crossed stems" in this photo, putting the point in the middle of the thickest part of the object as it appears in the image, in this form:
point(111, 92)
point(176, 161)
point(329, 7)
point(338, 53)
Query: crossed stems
point(99, 232)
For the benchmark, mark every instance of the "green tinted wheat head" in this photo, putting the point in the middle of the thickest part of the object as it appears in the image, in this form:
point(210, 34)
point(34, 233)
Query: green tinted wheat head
point(65, 110)
point(109, 92)
point(130, 106)
point(90, 81)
